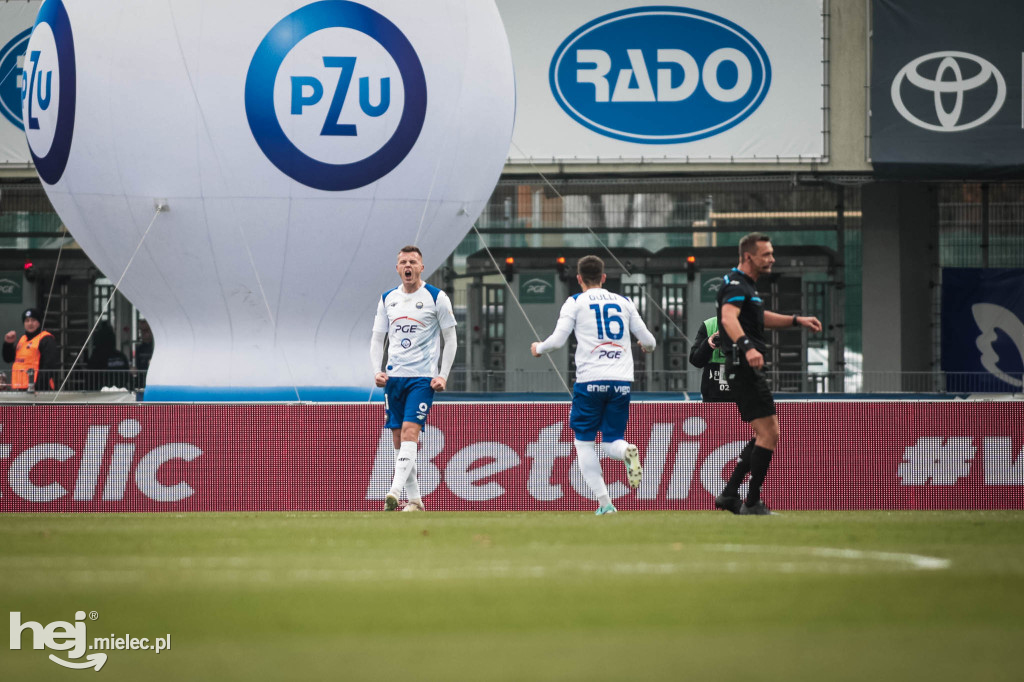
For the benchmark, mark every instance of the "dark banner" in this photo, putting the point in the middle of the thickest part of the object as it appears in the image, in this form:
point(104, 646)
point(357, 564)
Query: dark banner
point(946, 88)
point(502, 457)
point(983, 329)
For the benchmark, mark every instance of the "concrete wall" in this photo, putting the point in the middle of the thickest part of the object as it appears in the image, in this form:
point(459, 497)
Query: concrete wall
point(900, 232)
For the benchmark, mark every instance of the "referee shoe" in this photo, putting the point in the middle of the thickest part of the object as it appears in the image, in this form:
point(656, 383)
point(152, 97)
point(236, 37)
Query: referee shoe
point(757, 509)
point(730, 503)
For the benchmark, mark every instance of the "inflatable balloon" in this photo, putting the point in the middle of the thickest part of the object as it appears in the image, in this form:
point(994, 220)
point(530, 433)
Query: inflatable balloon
point(271, 157)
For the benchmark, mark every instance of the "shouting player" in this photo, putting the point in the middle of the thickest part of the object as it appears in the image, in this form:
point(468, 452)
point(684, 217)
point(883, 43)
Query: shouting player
point(413, 317)
point(602, 322)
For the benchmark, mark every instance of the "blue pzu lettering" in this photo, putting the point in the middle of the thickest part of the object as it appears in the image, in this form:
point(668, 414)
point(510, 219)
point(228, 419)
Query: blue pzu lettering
point(308, 91)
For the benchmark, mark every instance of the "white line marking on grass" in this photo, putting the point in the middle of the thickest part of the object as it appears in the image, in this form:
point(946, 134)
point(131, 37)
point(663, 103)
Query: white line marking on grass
point(924, 563)
point(687, 559)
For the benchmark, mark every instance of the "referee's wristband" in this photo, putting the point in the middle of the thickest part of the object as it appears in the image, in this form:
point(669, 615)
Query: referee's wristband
point(796, 323)
point(745, 343)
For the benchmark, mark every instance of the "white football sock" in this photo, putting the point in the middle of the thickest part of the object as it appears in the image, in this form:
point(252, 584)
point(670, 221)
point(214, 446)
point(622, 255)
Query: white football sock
point(412, 486)
point(590, 467)
point(616, 449)
point(405, 460)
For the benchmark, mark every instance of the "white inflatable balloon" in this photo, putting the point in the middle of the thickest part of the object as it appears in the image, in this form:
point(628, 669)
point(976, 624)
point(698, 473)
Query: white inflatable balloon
point(296, 145)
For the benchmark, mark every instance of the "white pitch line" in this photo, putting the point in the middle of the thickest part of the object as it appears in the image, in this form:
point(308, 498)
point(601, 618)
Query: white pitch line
point(918, 561)
point(235, 570)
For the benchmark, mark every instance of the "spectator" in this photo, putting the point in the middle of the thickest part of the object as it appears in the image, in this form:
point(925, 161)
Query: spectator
point(108, 366)
point(143, 351)
point(35, 354)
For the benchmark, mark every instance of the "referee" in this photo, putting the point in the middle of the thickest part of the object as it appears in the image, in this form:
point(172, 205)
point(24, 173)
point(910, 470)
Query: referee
point(742, 320)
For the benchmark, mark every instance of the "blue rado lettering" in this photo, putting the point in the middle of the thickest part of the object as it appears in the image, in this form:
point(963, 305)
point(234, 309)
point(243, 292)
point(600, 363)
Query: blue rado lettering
point(696, 75)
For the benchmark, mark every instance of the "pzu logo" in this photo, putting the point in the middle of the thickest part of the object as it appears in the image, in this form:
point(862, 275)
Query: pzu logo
point(335, 95)
point(34, 92)
point(12, 78)
point(308, 91)
point(48, 91)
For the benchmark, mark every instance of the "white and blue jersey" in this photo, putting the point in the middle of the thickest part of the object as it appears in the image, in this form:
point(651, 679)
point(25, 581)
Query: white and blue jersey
point(602, 322)
point(413, 324)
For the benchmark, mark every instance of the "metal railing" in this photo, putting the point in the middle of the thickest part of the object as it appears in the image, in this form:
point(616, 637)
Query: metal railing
point(547, 381)
point(82, 380)
point(824, 382)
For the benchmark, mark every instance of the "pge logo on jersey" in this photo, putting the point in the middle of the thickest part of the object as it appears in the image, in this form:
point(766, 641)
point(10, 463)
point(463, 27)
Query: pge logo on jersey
point(407, 325)
point(605, 353)
point(335, 95)
point(660, 75)
point(48, 91)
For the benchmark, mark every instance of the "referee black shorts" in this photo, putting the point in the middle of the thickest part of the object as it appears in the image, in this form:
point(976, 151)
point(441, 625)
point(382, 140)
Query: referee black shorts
point(752, 394)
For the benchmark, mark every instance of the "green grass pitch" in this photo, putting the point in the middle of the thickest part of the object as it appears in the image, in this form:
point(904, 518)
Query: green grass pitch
point(525, 596)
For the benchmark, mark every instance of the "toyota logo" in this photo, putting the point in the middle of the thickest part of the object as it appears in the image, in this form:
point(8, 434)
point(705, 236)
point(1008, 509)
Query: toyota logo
point(949, 78)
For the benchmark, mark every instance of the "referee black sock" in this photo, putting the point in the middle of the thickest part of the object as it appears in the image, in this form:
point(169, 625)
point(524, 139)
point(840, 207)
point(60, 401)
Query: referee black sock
point(760, 460)
point(732, 486)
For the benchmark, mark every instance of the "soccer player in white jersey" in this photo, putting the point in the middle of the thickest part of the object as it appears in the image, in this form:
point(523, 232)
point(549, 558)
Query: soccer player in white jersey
point(602, 322)
point(413, 317)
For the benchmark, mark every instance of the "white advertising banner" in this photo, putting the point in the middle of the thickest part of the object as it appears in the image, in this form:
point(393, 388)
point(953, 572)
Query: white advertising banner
point(16, 18)
point(701, 81)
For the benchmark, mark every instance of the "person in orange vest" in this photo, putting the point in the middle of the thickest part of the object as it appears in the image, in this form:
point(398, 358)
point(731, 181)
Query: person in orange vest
point(36, 350)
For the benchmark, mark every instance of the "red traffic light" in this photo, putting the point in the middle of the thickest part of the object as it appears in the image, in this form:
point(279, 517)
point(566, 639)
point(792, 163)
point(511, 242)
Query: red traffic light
point(561, 268)
point(510, 268)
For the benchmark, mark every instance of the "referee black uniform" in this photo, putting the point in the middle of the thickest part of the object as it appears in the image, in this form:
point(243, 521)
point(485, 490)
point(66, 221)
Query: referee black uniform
point(749, 387)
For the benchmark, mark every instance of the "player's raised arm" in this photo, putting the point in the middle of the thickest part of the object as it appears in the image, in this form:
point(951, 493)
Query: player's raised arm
point(779, 321)
point(565, 325)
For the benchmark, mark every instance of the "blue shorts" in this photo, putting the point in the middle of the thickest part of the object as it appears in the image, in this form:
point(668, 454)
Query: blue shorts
point(407, 399)
point(600, 406)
